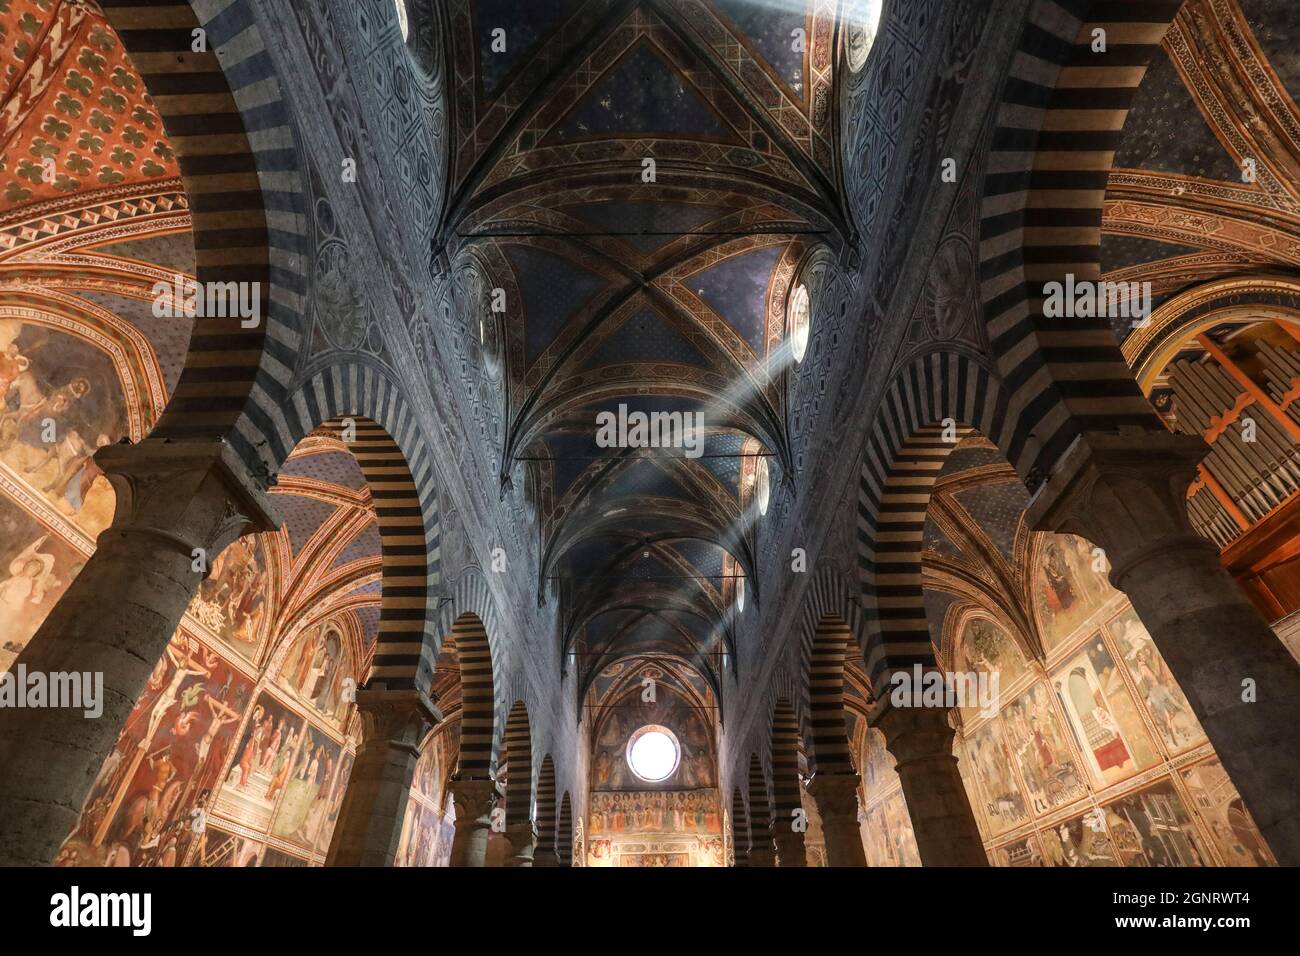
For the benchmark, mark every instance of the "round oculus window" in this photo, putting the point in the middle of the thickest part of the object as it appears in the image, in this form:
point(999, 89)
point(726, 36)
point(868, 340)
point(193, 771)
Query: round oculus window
point(653, 753)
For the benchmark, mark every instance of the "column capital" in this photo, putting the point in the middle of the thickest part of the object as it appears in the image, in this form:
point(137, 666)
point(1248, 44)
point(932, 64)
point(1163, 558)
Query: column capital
point(189, 494)
point(398, 718)
point(475, 798)
point(913, 733)
point(1125, 491)
point(522, 838)
point(836, 795)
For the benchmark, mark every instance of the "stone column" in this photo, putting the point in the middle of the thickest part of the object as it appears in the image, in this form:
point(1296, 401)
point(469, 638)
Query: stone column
point(523, 841)
point(739, 854)
point(836, 796)
point(545, 856)
point(760, 853)
point(475, 800)
point(942, 820)
point(116, 619)
point(789, 844)
point(1126, 492)
point(394, 724)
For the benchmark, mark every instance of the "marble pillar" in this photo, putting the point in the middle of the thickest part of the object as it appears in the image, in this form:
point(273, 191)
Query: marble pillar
point(394, 725)
point(921, 740)
point(836, 796)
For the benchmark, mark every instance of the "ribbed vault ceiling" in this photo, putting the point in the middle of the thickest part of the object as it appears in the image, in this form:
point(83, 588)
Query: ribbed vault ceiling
point(661, 293)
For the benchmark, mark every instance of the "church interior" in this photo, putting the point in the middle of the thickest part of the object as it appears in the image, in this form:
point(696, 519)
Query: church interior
point(650, 433)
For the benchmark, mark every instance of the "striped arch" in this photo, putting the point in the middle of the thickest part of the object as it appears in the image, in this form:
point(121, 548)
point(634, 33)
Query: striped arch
point(564, 832)
point(229, 125)
point(546, 807)
point(760, 805)
point(830, 741)
point(478, 699)
point(740, 836)
point(472, 598)
point(393, 455)
point(908, 447)
point(785, 762)
point(831, 629)
point(1058, 125)
point(518, 753)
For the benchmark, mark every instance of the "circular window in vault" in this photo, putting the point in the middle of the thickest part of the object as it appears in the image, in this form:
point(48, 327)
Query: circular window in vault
point(861, 26)
point(800, 321)
point(762, 485)
point(653, 753)
point(403, 21)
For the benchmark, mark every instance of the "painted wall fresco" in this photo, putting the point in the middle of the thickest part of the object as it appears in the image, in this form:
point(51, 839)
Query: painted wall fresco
point(148, 802)
point(234, 600)
point(985, 647)
point(1093, 758)
point(61, 398)
point(36, 567)
point(1069, 586)
point(671, 823)
point(430, 822)
point(221, 763)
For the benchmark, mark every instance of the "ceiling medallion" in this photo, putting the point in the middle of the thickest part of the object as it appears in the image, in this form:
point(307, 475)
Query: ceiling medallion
point(336, 304)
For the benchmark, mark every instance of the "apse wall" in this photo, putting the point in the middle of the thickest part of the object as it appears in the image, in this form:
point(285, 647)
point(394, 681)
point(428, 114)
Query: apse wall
point(632, 822)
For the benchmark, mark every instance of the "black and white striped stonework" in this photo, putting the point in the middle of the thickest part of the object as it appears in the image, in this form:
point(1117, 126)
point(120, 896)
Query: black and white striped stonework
point(226, 119)
point(760, 805)
point(785, 763)
point(1058, 125)
point(906, 450)
point(830, 743)
point(478, 701)
point(740, 834)
point(471, 599)
point(518, 751)
point(546, 807)
point(391, 451)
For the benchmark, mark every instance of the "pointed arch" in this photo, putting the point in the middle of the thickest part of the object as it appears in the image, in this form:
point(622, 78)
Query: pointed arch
point(785, 762)
point(478, 697)
point(830, 742)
